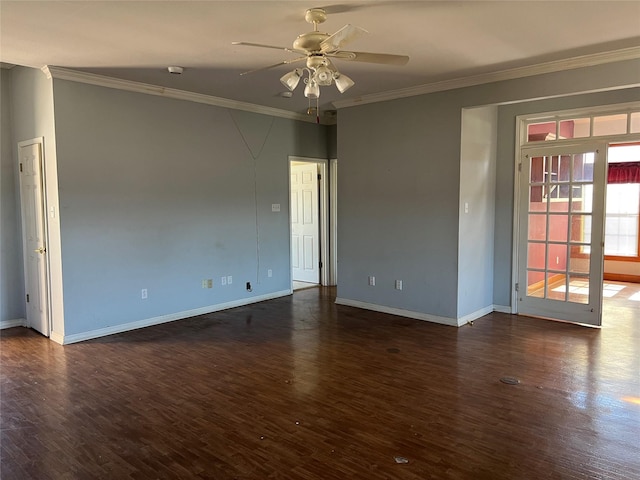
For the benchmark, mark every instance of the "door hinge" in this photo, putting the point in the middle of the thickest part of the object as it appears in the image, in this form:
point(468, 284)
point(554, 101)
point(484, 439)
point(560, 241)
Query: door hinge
point(319, 177)
point(20, 167)
point(320, 264)
point(520, 167)
point(27, 298)
point(517, 287)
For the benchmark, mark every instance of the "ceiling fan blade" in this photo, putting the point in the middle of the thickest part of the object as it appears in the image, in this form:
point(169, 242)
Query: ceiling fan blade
point(284, 62)
point(345, 35)
point(261, 45)
point(382, 58)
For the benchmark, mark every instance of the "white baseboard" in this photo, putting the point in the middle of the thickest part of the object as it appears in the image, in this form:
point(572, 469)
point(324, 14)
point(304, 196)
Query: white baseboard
point(502, 308)
point(474, 315)
point(398, 311)
point(425, 316)
point(125, 327)
point(18, 322)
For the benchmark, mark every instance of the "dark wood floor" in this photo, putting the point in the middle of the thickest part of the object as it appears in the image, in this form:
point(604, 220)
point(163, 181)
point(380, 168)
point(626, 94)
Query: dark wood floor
point(299, 388)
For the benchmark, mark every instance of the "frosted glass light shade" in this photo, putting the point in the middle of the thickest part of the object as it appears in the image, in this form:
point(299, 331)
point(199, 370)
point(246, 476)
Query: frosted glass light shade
point(312, 90)
point(343, 83)
point(291, 79)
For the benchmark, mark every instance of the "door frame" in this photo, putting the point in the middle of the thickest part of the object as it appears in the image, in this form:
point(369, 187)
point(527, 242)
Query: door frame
point(521, 143)
point(327, 221)
point(46, 301)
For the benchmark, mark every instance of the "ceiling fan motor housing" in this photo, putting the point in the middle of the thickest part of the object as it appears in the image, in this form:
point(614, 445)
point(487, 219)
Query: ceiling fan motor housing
point(310, 42)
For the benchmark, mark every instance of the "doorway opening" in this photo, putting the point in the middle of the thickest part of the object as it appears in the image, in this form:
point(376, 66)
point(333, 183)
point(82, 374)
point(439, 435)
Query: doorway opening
point(576, 237)
point(312, 222)
point(34, 234)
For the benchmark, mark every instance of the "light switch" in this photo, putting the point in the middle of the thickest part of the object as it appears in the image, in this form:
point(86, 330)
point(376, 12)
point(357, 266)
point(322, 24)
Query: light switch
point(466, 207)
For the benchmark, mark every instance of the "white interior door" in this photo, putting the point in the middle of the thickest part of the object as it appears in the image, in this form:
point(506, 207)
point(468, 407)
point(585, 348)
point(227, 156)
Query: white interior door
point(31, 194)
point(560, 249)
point(305, 251)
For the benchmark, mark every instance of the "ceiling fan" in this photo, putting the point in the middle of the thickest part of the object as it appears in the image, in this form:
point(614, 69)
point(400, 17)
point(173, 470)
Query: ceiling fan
point(317, 49)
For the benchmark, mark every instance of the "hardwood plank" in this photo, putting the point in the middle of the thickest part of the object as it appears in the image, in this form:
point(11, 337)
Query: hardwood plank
point(300, 388)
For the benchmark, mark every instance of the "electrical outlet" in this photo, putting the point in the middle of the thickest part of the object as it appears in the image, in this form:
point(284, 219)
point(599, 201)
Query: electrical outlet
point(143, 293)
point(229, 280)
point(398, 284)
point(223, 280)
point(269, 273)
point(372, 280)
point(210, 283)
point(204, 284)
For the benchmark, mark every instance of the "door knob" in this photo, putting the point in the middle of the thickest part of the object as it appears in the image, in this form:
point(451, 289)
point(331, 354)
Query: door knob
point(40, 250)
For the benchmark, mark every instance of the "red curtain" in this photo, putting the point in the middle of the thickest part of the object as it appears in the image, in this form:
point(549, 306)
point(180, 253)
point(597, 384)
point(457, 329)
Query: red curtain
point(624, 172)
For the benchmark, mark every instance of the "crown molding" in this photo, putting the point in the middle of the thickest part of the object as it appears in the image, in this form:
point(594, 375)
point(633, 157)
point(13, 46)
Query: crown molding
point(148, 89)
point(591, 60)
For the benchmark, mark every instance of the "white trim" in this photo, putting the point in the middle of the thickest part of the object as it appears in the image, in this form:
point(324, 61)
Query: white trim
point(148, 89)
point(571, 114)
point(475, 315)
point(398, 311)
point(502, 309)
point(103, 332)
point(323, 203)
point(18, 322)
point(333, 220)
point(57, 337)
point(583, 61)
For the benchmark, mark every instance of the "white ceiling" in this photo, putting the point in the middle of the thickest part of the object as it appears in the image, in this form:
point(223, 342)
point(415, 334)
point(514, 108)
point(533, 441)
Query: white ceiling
point(445, 40)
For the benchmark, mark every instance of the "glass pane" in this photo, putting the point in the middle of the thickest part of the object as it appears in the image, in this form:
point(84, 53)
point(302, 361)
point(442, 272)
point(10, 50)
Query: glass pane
point(635, 122)
point(535, 255)
point(535, 284)
point(583, 167)
point(559, 204)
point(581, 228)
point(558, 228)
point(610, 125)
point(537, 200)
point(621, 221)
point(537, 169)
point(579, 261)
point(564, 168)
point(557, 257)
point(556, 287)
point(538, 132)
point(576, 128)
point(624, 153)
point(578, 289)
point(582, 201)
point(537, 227)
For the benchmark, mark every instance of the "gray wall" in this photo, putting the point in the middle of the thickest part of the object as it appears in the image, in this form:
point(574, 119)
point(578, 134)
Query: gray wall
point(399, 169)
point(160, 194)
point(476, 223)
point(12, 306)
point(399, 187)
point(32, 117)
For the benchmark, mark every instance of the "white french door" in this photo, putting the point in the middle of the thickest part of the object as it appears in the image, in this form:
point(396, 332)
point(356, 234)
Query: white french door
point(560, 241)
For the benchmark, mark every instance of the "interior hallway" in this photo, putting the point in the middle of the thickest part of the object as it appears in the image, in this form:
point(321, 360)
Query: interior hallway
point(300, 388)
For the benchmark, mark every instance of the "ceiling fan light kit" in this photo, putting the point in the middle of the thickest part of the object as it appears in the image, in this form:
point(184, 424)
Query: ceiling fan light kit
point(317, 49)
